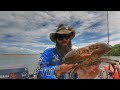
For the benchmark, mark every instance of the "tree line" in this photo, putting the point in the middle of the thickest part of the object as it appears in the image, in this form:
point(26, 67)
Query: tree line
point(115, 50)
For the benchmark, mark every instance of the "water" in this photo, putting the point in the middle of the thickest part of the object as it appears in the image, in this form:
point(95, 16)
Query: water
point(113, 57)
point(31, 61)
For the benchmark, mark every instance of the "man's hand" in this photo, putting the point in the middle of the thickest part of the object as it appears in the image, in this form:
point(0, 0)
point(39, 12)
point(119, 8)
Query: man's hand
point(88, 72)
point(63, 68)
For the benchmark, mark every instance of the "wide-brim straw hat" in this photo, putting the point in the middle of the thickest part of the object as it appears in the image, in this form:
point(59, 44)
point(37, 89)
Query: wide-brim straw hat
point(62, 30)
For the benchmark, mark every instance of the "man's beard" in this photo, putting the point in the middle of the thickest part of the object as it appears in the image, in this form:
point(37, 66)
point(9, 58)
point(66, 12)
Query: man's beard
point(63, 50)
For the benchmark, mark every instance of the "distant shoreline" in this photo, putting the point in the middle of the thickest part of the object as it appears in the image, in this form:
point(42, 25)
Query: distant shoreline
point(18, 54)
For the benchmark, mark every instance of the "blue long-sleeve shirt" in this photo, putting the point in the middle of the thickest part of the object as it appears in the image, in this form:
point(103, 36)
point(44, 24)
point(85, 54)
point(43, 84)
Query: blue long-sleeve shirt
point(49, 59)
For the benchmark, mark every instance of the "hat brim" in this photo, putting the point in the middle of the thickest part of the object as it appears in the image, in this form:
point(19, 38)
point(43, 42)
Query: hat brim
point(64, 32)
point(53, 38)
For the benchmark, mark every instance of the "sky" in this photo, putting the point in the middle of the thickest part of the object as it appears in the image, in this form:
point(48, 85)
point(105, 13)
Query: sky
point(27, 32)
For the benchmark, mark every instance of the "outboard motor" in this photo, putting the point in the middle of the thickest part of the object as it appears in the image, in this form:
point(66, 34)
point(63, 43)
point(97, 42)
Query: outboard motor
point(12, 72)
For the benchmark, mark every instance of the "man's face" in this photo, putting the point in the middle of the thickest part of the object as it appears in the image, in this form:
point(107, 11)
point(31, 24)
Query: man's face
point(63, 39)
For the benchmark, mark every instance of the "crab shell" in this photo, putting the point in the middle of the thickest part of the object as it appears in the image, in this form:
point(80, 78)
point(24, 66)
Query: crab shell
point(86, 54)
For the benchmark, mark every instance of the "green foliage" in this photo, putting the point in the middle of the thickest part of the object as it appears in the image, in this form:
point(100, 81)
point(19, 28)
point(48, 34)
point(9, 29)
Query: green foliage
point(115, 50)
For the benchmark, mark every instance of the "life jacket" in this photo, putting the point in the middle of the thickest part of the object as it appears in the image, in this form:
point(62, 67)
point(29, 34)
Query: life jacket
point(114, 72)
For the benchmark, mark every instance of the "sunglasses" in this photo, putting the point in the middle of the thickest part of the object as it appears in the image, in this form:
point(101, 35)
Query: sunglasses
point(63, 36)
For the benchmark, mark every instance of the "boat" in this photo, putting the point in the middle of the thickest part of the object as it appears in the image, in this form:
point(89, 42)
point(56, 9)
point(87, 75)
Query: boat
point(14, 72)
point(110, 71)
point(107, 71)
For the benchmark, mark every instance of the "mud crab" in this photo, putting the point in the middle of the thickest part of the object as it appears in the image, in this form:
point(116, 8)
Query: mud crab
point(87, 56)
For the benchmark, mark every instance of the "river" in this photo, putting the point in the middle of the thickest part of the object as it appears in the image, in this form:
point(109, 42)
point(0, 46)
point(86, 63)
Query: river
point(31, 61)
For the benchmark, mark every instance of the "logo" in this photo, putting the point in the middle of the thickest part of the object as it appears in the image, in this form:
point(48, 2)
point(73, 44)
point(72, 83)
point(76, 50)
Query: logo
point(55, 58)
point(24, 74)
point(12, 76)
point(4, 76)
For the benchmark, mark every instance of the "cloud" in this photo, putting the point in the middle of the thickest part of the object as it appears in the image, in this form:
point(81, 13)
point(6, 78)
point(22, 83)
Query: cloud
point(28, 31)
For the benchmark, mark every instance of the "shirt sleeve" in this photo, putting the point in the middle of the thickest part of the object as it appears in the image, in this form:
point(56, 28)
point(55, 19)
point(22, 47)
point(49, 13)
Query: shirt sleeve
point(46, 71)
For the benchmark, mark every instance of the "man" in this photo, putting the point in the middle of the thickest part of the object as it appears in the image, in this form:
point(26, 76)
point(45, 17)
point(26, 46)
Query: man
point(50, 63)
